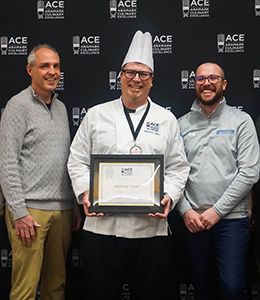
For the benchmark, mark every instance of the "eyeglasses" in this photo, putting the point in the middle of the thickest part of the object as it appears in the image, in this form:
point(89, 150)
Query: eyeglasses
point(130, 74)
point(211, 79)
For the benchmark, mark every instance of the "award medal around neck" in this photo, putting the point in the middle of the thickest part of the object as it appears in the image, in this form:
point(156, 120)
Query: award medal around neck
point(135, 150)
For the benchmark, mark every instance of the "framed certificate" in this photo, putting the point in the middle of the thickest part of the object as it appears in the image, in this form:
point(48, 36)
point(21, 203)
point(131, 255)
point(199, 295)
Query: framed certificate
point(126, 183)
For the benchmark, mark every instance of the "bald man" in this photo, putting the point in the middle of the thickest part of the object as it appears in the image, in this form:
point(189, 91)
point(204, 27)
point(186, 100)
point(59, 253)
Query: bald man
point(222, 148)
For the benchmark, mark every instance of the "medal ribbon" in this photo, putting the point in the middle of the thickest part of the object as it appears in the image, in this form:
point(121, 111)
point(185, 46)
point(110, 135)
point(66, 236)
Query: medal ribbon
point(130, 123)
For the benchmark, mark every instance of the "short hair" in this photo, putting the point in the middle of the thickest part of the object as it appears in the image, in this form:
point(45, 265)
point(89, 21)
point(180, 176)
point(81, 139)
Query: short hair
point(212, 63)
point(31, 57)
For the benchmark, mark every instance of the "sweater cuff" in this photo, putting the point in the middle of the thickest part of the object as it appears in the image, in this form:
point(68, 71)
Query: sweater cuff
point(183, 205)
point(19, 213)
point(221, 214)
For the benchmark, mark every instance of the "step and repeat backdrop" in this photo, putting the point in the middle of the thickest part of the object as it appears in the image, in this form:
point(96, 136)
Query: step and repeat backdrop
point(93, 37)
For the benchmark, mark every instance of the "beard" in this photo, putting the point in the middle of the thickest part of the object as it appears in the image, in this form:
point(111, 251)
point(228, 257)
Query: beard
point(210, 102)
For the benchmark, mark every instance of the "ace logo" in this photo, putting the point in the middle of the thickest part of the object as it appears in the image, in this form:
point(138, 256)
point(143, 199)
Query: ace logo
point(162, 44)
point(54, 4)
point(127, 3)
point(86, 45)
point(230, 43)
point(15, 45)
point(90, 40)
point(18, 40)
point(199, 3)
point(195, 8)
point(123, 9)
point(237, 37)
point(163, 39)
point(50, 9)
point(187, 79)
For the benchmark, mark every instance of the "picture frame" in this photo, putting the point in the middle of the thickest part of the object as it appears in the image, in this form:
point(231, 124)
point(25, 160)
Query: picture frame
point(126, 183)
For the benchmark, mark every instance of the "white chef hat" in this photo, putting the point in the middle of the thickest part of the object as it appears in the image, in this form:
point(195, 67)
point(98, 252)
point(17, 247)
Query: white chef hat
point(140, 50)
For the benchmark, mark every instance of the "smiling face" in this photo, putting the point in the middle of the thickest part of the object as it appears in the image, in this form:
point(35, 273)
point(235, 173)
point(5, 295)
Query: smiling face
point(45, 73)
point(210, 93)
point(135, 91)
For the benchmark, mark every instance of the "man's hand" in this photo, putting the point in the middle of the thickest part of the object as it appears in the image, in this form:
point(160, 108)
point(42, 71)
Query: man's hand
point(166, 202)
point(209, 218)
point(86, 206)
point(192, 220)
point(25, 229)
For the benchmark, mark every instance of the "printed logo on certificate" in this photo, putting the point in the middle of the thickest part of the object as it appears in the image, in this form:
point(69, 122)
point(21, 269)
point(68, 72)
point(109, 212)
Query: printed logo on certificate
point(126, 183)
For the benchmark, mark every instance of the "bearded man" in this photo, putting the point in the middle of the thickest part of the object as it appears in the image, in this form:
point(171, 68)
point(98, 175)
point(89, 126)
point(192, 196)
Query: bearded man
point(223, 151)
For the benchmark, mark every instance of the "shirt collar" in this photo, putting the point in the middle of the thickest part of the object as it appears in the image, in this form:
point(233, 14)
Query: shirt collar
point(196, 107)
point(54, 96)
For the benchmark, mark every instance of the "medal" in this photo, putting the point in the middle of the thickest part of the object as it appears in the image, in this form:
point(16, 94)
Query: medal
point(135, 150)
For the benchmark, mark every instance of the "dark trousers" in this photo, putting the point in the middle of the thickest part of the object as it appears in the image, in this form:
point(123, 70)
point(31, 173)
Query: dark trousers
point(257, 252)
point(110, 261)
point(218, 260)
